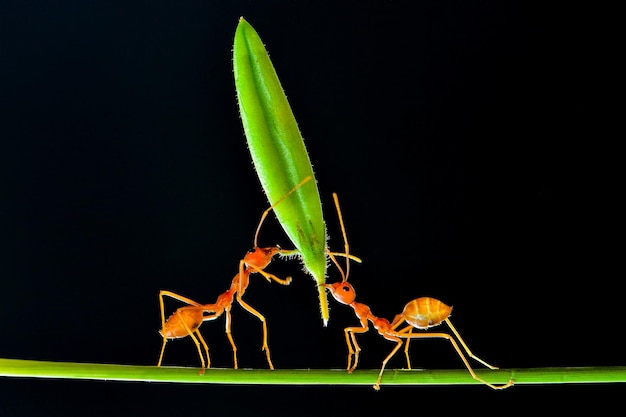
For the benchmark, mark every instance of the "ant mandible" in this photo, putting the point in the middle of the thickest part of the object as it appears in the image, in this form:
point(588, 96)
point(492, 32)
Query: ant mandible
point(185, 321)
point(421, 313)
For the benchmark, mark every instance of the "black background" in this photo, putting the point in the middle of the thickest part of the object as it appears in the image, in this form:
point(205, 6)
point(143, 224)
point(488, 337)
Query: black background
point(473, 146)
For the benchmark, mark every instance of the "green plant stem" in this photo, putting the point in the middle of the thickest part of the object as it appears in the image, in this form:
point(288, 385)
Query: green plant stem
point(67, 370)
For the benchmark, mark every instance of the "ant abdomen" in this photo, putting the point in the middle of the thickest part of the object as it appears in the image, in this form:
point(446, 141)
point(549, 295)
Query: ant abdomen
point(425, 312)
point(181, 322)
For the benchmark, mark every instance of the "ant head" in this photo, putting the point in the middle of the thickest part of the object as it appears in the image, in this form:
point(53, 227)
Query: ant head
point(260, 257)
point(342, 292)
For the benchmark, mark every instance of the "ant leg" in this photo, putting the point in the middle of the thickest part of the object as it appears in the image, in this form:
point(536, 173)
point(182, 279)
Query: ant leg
point(469, 352)
point(393, 352)
point(357, 349)
point(406, 351)
point(350, 349)
point(269, 277)
point(230, 338)
point(407, 330)
point(177, 297)
point(206, 348)
point(162, 351)
point(397, 321)
point(195, 340)
point(460, 353)
point(260, 316)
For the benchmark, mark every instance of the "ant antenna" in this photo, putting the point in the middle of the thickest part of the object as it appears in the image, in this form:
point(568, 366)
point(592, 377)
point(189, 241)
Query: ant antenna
point(345, 239)
point(266, 212)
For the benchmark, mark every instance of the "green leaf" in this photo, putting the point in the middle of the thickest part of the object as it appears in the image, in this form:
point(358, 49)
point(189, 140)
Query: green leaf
point(278, 152)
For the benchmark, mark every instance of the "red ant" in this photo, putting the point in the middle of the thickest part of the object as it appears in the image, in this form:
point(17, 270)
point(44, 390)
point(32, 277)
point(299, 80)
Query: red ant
point(186, 320)
point(421, 313)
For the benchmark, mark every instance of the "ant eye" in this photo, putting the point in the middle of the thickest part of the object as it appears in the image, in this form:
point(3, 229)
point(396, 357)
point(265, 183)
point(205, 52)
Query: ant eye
point(346, 288)
point(251, 250)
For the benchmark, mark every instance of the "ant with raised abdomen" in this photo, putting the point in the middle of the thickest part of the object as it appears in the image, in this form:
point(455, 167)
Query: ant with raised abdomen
point(186, 320)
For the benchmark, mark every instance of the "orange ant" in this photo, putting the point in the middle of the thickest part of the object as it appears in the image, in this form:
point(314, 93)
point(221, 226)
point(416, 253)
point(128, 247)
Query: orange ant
point(186, 320)
point(421, 313)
